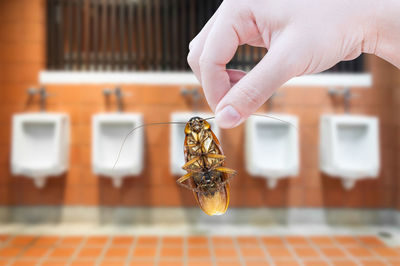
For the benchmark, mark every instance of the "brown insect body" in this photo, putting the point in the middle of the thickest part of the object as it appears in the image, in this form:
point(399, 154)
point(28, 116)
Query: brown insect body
point(207, 176)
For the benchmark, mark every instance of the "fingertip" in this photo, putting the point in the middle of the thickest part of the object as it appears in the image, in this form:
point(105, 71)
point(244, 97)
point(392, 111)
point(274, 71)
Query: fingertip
point(228, 117)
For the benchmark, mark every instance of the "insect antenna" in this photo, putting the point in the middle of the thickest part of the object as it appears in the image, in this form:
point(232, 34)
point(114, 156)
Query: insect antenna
point(138, 127)
point(260, 115)
point(273, 117)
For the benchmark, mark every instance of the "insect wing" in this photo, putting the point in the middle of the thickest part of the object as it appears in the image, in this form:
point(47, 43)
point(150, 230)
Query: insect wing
point(216, 203)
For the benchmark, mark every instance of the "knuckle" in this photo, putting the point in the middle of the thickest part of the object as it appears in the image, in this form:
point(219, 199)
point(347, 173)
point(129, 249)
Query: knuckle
point(251, 96)
point(191, 59)
point(204, 61)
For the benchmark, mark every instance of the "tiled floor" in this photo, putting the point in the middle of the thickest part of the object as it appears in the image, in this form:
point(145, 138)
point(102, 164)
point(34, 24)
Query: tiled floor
point(24, 250)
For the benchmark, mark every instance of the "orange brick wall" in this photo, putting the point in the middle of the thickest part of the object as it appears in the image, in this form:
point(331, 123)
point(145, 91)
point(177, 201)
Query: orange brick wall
point(22, 44)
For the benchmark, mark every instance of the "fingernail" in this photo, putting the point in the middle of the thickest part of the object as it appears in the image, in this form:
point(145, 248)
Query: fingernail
point(228, 117)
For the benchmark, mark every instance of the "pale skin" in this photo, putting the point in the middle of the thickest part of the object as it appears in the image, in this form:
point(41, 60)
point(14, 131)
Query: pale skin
point(302, 37)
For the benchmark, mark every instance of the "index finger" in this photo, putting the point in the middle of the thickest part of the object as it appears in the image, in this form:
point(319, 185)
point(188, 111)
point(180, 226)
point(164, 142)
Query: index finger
point(219, 49)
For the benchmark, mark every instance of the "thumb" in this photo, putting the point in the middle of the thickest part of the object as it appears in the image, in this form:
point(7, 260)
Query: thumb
point(250, 92)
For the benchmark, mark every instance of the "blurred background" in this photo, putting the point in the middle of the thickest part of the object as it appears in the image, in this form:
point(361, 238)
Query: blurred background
point(81, 59)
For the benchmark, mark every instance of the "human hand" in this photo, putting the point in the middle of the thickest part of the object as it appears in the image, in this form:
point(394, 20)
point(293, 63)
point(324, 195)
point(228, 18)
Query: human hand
point(302, 37)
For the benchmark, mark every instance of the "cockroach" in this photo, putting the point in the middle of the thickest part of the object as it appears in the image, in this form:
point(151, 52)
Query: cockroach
point(206, 175)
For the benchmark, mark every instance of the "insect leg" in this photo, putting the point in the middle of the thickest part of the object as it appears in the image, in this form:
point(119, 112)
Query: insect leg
point(215, 156)
point(225, 170)
point(186, 186)
point(226, 181)
point(189, 163)
point(184, 178)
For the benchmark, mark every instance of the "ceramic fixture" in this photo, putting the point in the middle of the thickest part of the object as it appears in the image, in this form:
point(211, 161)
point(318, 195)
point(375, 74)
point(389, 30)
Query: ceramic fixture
point(349, 147)
point(40, 145)
point(177, 137)
point(272, 147)
point(109, 131)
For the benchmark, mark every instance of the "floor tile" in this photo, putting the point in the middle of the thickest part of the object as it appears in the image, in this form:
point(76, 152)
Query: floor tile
point(343, 263)
point(279, 252)
point(35, 252)
point(346, 240)
point(333, 253)
point(306, 252)
point(122, 240)
point(222, 241)
point(142, 263)
point(147, 240)
point(25, 263)
point(82, 262)
point(117, 252)
point(144, 252)
point(47, 240)
point(198, 252)
point(370, 241)
point(22, 240)
point(256, 263)
point(386, 252)
point(286, 263)
point(225, 252)
point(170, 263)
point(10, 251)
point(171, 251)
point(345, 250)
point(372, 263)
point(242, 240)
point(54, 263)
point(322, 240)
point(228, 263)
point(359, 252)
point(199, 263)
point(296, 240)
point(112, 263)
point(394, 262)
point(170, 240)
point(272, 241)
point(62, 252)
point(90, 252)
point(197, 240)
point(71, 240)
point(315, 263)
point(4, 238)
point(253, 252)
point(97, 240)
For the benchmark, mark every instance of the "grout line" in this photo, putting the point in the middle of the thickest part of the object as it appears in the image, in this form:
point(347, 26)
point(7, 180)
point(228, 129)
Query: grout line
point(158, 251)
point(344, 249)
point(375, 255)
point(292, 251)
point(185, 251)
point(106, 246)
point(265, 250)
point(78, 249)
point(46, 256)
point(23, 249)
point(319, 251)
point(129, 259)
point(212, 251)
point(237, 248)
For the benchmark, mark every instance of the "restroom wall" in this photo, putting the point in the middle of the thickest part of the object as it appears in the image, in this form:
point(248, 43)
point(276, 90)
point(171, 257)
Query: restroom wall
point(22, 55)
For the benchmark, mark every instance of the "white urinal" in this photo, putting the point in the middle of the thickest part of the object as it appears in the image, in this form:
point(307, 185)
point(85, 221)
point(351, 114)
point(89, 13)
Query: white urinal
point(272, 147)
point(109, 131)
point(177, 137)
point(349, 147)
point(40, 145)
